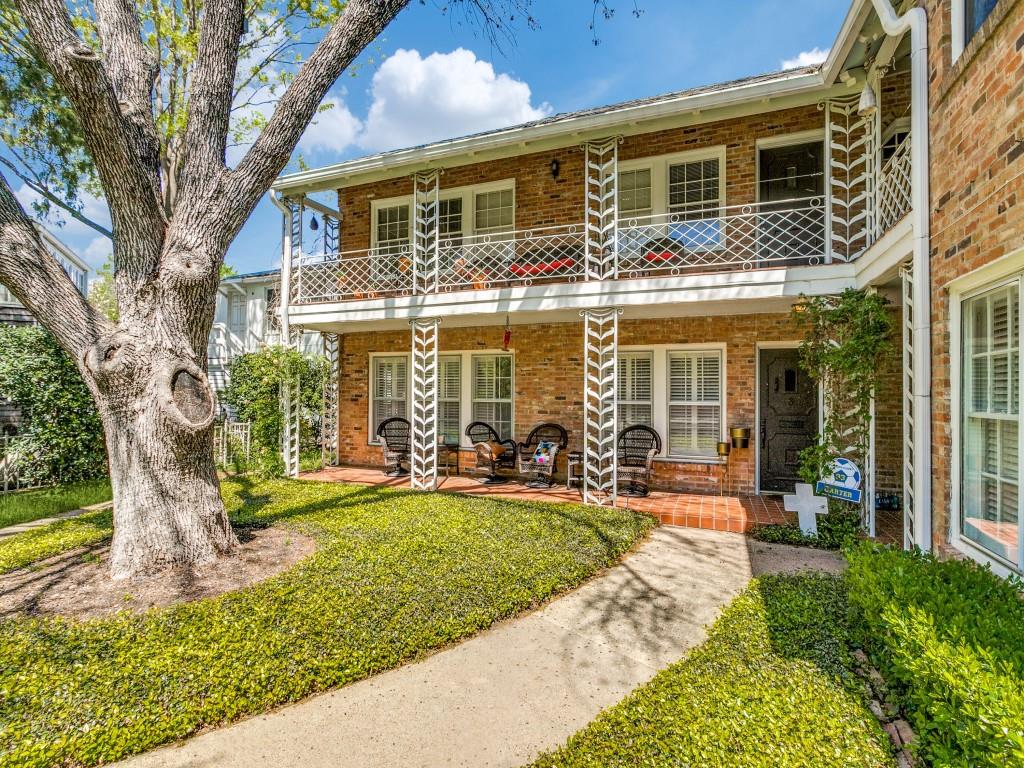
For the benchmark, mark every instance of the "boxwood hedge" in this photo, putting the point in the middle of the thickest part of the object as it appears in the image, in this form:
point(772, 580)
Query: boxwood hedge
point(949, 638)
point(396, 574)
point(771, 687)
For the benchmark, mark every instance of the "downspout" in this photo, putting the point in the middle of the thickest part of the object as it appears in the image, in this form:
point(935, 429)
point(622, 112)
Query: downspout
point(286, 265)
point(916, 20)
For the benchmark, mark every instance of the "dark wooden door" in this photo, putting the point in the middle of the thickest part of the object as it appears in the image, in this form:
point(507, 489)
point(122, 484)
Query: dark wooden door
point(789, 417)
point(791, 225)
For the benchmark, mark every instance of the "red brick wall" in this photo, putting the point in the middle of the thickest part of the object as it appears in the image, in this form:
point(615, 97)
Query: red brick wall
point(541, 200)
point(977, 190)
point(549, 384)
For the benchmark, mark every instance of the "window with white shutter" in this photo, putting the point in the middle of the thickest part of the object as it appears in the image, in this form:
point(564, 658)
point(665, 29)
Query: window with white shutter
point(634, 389)
point(695, 403)
point(492, 392)
point(449, 394)
point(390, 389)
point(990, 497)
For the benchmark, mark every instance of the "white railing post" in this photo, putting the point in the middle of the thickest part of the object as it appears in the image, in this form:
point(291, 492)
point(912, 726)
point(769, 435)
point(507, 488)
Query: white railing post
point(425, 233)
point(600, 405)
point(423, 436)
point(329, 434)
point(602, 216)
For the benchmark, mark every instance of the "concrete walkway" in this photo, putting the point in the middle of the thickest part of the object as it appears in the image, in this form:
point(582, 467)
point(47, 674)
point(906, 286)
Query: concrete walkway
point(13, 530)
point(522, 687)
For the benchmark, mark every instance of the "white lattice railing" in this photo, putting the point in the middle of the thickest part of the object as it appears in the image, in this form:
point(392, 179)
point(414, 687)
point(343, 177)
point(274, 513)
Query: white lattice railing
point(755, 236)
point(231, 440)
point(11, 477)
point(894, 188)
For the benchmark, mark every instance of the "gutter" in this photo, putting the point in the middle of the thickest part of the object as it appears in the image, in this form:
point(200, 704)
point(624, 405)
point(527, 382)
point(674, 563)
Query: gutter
point(916, 21)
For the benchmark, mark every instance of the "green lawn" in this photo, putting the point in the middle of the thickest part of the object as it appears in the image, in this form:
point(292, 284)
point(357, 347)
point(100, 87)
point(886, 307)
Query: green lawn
point(397, 573)
point(25, 506)
point(772, 687)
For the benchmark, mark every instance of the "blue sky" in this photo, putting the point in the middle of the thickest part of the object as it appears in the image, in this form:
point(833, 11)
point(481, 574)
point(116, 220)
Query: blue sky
point(416, 85)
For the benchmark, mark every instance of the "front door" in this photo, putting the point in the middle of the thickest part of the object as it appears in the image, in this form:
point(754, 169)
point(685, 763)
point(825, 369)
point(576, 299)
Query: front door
point(788, 401)
point(791, 222)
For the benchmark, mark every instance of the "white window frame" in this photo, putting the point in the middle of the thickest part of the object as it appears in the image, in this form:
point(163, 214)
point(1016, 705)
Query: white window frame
point(659, 165)
point(958, 25)
point(466, 193)
point(636, 354)
point(465, 389)
point(512, 388)
point(660, 393)
point(1000, 272)
point(371, 432)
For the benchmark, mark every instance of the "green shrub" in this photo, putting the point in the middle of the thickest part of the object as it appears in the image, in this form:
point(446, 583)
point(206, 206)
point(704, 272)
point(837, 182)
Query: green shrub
point(62, 437)
point(396, 575)
point(254, 390)
point(949, 638)
point(835, 531)
point(772, 687)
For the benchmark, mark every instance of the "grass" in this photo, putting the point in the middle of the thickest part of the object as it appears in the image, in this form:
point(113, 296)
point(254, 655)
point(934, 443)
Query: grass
point(396, 574)
point(771, 687)
point(26, 506)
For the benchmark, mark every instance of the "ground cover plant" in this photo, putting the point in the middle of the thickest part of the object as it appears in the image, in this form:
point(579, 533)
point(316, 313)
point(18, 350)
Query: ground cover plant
point(25, 506)
point(396, 574)
point(948, 636)
point(772, 686)
point(836, 530)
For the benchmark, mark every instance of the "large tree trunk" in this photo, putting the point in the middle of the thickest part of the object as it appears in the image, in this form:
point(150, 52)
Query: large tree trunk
point(158, 425)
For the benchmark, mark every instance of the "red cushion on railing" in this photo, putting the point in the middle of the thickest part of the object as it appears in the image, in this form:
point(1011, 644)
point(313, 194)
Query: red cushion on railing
point(542, 268)
point(660, 256)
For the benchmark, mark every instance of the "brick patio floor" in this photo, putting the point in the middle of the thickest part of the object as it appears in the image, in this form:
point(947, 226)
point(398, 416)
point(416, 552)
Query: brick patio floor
point(736, 514)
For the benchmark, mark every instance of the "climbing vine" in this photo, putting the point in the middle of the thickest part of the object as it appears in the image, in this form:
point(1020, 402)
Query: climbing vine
point(847, 346)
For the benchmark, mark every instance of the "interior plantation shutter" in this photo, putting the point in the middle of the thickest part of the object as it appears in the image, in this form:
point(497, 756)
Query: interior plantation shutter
point(634, 387)
point(449, 396)
point(492, 392)
point(695, 403)
point(390, 388)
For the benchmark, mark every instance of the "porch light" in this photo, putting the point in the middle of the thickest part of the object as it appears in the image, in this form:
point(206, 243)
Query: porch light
point(556, 168)
point(868, 101)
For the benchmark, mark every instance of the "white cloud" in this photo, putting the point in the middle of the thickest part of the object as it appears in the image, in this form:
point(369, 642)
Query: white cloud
point(332, 130)
point(419, 99)
point(806, 58)
point(97, 252)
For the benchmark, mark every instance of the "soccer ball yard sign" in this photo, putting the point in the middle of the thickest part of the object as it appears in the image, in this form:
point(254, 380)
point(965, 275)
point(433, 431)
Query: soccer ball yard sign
point(842, 480)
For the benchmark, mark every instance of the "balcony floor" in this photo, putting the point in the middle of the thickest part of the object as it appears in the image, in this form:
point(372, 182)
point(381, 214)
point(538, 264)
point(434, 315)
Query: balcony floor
point(737, 514)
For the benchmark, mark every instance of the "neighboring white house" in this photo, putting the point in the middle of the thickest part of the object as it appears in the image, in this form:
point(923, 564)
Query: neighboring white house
point(246, 319)
point(12, 312)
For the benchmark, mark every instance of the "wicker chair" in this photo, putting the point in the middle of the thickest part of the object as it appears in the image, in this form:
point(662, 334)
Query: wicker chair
point(394, 435)
point(492, 453)
point(543, 471)
point(636, 447)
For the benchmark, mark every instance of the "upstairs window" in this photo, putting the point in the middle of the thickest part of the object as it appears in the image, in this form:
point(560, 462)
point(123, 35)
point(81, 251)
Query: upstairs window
point(694, 188)
point(392, 228)
point(975, 13)
point(635, 193)
point(495, 211)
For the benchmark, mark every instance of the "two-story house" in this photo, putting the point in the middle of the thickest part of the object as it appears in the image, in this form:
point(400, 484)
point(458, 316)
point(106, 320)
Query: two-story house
point(634, 264)
point(12, 312)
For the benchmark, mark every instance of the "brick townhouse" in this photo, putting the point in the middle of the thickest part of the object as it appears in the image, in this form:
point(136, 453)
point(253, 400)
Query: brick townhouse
point(637, 264)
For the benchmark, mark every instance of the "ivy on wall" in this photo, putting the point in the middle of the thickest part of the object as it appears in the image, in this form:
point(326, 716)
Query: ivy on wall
point(847, 346)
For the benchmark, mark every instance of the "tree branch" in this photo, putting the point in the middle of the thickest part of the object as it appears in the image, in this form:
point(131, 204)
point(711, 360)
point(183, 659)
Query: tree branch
point(360, 23)
point(130, 65)
point(44, 192)
point(39, 282)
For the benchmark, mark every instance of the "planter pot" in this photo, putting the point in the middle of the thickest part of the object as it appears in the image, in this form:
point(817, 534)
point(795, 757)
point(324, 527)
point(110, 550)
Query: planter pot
point(740, 437)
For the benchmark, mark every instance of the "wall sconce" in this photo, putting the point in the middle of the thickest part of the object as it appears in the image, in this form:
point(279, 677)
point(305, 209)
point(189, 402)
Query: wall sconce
point(556, 167)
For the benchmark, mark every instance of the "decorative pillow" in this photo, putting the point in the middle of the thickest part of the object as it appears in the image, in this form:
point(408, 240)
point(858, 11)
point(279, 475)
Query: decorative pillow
point(544, 453)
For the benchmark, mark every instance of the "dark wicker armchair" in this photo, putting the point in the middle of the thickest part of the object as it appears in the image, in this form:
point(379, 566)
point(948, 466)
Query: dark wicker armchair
point(636, 448)
point(542, 468)
point(492, 453)
point(394, 434)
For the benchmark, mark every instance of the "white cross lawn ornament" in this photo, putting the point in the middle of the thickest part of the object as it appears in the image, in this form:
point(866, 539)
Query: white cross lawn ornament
point(807, 507)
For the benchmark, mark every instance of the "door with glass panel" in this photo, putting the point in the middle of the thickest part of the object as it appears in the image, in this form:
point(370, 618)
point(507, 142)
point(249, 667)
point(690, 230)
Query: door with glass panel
point(791, 216)
point(990, 423)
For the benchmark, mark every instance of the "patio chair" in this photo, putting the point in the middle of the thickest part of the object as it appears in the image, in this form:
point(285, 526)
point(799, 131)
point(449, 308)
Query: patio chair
point(636, 447)
point(492, 453)
point(394, 435)
point(539, 454)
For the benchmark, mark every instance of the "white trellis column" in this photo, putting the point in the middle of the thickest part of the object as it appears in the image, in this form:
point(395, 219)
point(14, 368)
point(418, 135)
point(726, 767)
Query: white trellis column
point(850, 142)
point(424, 404)
point(425, 233)
point(602, 202)
point(912, 533)
point(290, 289)
point(329, 422)
point(600, 405)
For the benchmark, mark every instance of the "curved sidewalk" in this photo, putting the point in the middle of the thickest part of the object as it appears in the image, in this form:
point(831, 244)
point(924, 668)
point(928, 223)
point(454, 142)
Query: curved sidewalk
point(519, 688)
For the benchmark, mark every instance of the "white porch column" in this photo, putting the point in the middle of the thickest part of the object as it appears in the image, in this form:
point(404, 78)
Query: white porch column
point(330, 423)
point(602, 203)
point(600, 405)
point(289, 395)
point(423, 439)
point(849, 141)
point(425, 234)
